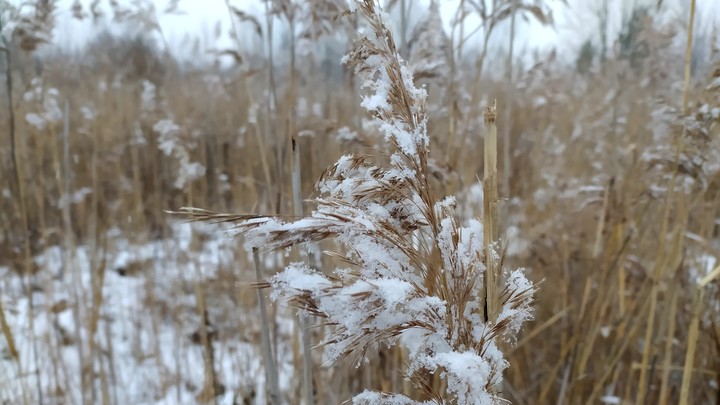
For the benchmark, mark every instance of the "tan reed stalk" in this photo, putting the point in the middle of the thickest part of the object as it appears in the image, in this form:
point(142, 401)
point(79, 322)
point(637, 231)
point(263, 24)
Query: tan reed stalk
point(7, 334)
point(490, 213)
point(507, 163)
point(669, 340)
point(692, 339)
point(272, 106)
point(455, 60)
point(208, 393)
point(688, 57)
point(303, 323)
point(296, 180)
point(271, 374)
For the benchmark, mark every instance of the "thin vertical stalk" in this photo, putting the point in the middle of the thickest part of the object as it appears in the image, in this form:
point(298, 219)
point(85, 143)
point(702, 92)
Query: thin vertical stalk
point(508, 105)
point(403, 26)
point(667, 361)
point(299, 212)
point(271, 374)
point(7, 333)
point(461, 13)
point(4, 47)
point(272, 107)
point(490, 216)
point(208, 393)
point(688, 55)
point(455, 60)
point(693, 336)
point(270, 117)
point(302, 319)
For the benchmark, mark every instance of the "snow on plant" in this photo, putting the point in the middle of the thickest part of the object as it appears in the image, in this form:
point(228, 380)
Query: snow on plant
point(424, 293)
point(170, 140)
point(148, 98)
point(345, 134)
point(47, 111)
point(28, 24)
point(89, 116)
point(171, 144)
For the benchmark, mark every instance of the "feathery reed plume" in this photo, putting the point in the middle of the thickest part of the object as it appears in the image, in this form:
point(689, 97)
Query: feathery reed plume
point(424, 296)
point(33, 30)
point(429, 47)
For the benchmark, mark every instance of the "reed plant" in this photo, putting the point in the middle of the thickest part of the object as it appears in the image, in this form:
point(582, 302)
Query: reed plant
point(444, 298)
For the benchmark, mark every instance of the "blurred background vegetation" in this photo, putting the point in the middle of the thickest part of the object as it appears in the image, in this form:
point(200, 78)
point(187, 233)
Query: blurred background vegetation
point(609, 167)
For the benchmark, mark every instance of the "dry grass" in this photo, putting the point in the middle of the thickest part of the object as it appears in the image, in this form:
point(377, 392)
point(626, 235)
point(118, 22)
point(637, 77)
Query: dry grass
point(613, 204)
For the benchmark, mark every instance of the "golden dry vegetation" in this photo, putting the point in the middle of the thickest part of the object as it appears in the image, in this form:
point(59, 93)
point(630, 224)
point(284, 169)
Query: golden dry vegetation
point(609, 196)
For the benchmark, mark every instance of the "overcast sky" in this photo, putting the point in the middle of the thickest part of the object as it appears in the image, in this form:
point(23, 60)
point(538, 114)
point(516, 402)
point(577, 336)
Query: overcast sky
point(201, 16)
point(574, 23)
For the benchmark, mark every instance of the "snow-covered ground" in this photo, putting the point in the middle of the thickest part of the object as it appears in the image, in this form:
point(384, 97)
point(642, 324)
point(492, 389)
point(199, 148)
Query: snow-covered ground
point(146, 338)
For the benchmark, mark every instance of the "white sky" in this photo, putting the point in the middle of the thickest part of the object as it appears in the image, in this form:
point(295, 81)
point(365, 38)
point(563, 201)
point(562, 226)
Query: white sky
point(574, 23)
point(202, 16)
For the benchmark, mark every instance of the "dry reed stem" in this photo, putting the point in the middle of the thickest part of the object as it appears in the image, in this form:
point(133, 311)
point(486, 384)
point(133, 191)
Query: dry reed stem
point(693, 336)
point(490, 215)
point(668, 355)
point(507, 156)
point(270, 364)
point(688, 56)
point(7, 333)
point(303, 323)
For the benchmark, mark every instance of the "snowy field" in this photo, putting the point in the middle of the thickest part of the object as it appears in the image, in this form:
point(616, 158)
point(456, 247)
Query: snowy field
point(145, 339)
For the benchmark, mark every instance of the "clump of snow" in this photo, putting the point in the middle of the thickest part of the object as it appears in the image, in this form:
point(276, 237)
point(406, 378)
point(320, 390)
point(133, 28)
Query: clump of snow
point(253, 113)
point(345, 134)
point(47, 107)
point(77, 197)
point(148, 98)
point(171, 144)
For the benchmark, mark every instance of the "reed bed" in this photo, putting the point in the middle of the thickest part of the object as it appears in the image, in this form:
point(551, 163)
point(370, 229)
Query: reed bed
point(607, 195)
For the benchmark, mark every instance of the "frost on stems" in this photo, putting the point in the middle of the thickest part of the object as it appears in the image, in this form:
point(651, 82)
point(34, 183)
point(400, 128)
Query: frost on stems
point(390, 289)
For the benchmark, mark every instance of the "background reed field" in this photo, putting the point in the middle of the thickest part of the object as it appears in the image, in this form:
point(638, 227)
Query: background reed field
point(608, 195)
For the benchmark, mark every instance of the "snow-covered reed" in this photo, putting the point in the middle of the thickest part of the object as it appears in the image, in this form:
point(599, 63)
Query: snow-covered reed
point(411, 274)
